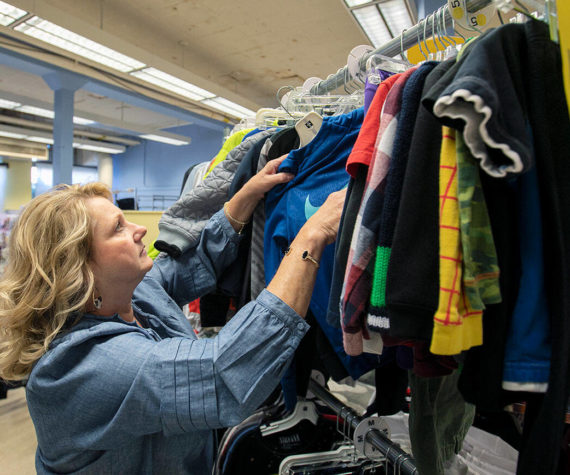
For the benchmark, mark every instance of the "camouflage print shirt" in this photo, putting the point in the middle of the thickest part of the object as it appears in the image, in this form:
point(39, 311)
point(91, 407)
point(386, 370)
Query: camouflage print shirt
point(481, 269)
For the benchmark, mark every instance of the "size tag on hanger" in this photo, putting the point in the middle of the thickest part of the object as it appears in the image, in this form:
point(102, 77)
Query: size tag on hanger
point(468, 20)
point(308, 127)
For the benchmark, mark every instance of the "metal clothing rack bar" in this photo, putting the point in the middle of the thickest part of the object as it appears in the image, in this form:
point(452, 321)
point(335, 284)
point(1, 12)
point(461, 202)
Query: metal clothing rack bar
point(405, 40)
point(393, 453)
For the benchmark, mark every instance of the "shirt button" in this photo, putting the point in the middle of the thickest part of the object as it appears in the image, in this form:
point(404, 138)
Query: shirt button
point(300, 326)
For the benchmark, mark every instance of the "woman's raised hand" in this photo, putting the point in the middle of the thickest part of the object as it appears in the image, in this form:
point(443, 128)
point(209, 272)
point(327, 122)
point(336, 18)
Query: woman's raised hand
point(267, 178)
point(325, 222)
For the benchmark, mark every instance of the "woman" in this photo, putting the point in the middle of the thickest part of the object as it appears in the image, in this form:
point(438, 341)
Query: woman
point(117, 382)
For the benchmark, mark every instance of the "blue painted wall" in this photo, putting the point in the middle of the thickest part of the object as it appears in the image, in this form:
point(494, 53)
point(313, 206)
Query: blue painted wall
point(154, 168)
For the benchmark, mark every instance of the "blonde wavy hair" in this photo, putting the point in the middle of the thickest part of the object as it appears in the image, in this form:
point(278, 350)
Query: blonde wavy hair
point(47, 281)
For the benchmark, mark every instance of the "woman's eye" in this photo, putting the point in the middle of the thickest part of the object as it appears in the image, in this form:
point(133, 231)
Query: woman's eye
point(118, 227)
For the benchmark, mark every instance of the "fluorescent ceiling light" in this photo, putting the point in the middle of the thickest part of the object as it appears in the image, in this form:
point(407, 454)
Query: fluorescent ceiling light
point(67, 40)
point(396, 15)
point(372, 24)
point(9, 104)
point(82, 121)
point(171, 83)
point(9, 14)
point(355, 3)
point(228, 106)
point(11, 135)
point(97, 148)
point(45, 140)
point(36, 111)
point(40, 112)
point(160, 138)
point(381, 21)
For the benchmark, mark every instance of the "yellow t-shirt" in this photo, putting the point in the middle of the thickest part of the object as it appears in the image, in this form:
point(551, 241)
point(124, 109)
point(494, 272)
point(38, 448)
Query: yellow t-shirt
point(457, 326)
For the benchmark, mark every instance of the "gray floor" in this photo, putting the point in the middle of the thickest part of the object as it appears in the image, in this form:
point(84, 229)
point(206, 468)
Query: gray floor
point(17, 437)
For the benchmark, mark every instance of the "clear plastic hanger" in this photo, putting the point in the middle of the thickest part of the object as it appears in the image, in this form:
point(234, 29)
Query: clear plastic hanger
point(439, 49)
point(430, 55)
point(380, 62)
point(302, 102)
point(453, 47)
point(343, 457)
point(419, 39)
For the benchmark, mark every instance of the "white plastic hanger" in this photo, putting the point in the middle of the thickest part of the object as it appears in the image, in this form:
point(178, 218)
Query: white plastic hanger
point(304, 410)
point(308, 127)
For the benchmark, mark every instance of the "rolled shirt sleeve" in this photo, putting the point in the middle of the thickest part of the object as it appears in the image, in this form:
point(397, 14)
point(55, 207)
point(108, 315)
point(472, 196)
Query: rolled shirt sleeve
point(218, 382)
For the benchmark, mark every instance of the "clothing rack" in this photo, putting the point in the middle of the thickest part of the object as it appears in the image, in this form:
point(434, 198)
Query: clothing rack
point(394, 454)
point(405, 40)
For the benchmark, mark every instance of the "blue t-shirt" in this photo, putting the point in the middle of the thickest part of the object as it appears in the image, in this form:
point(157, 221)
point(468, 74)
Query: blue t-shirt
point(319, 170)
point(528, 347)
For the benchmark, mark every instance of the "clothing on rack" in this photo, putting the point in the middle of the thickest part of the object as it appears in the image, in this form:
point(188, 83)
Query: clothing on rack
point(181, 224)
point(319, 169)
point(453, 238)
point(280, 144)
point(523, 82)
point(195, 175)
point(229, 144)
point(439, 420)
point(411, 96)
point(358, 277)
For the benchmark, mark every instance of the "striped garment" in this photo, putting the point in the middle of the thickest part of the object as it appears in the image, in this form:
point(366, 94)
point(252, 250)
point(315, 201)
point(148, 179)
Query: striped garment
point(378, 318)
point(457, 327)
point(358, 276)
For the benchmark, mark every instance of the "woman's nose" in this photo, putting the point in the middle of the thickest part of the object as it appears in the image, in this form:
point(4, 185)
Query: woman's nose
point(139, 231)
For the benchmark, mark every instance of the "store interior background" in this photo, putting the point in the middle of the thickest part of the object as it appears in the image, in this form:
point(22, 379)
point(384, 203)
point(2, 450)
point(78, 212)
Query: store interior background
point(240, 52)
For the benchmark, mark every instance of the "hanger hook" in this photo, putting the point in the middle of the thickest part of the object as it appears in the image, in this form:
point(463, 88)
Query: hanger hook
point(290, 88)
point(456, 31)
point(386, 460)
point(440, 31)
point(525, 9)
point(433, 32)
point(419, 39)
point(449, 38)
point(425, 39)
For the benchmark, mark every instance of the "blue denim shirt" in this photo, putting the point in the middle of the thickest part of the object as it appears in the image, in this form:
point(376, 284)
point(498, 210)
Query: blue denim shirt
point(111, 397)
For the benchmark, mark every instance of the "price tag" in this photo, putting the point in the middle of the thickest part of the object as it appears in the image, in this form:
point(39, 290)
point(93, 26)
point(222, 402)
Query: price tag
point(470, 20)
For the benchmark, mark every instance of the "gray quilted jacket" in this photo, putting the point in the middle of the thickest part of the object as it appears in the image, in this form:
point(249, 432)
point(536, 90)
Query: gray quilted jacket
point(181, 224)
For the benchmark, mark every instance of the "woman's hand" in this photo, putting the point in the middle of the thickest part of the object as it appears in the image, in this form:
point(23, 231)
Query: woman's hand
point(267, 178)
point(240, 208)
point(325, 222)
point(327, 218)
point(294, 280)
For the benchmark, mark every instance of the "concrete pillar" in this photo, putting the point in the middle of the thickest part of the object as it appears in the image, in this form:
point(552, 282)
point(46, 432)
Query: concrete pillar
point(64, 85)
point(105, 170)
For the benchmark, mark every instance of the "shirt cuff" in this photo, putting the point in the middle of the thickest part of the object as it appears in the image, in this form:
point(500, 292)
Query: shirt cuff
point(221, 219)
point(283, 312)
